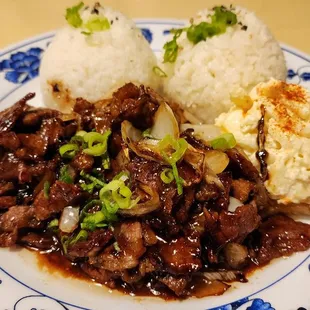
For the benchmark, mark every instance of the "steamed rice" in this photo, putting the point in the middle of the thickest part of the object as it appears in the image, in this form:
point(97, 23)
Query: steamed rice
point(92, 67)
point(206, 76)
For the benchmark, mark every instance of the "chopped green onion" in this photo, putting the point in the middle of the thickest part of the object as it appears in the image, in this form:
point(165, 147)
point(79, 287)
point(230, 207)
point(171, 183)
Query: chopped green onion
point(116, 247)
point(178, 180)
point(71, 240)
point(97, 143)
point(73, 16)
point(147, 133)
point(65, 243)
point(53, 224)
point(64, 175)
point(106, 161)
point(96, 24)
point(92, 220)
point(224, 142)
point(220, 20)
point(68, 150)
point(81, 236)
point(88, 206)
point(88, 187)
point(167, 176)
point(158, 71)
point(171, 48)
point(172, 151)
point(96, 183)
point(46, 189)
point(81, 133)
point(92, 178)
point(168, 144)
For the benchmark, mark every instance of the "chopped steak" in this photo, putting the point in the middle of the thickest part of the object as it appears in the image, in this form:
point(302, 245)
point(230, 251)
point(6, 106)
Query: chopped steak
point(132, 212)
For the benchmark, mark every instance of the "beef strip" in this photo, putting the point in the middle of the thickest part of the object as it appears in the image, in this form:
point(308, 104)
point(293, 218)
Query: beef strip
point(241, 166)
point(185, 205)
point(95, 242)
point(232, 226)
point(9, 116)
point(7, 202)
point(14, 219)
point(82, 161)
point(176, 284)
point(61, 195)
point(181, 256)
point(282, 236)
point(9, 140)
point(130, 241)
point(6, 187)
point(148, 173)
point(99, 274)
point(11, 168)
point(42, 242)
point(52, 129)
point(86, 110)
point(34, 117)
point(241, 189)
point(132, 103)
point(34, 146)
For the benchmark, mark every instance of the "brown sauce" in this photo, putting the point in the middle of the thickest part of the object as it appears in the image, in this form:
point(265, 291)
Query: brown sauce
point(54, 262)
point(262, 154)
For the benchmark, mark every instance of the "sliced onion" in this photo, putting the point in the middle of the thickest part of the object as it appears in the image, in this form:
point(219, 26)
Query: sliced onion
point(234, 204)
point(229, 275)
point(211, 178)
point(204, 131)
point(196, 159)
point(216, 160)
point(165, 123)
point(191, 118)
point(69, 219)
point(145, 148)
point(236, 255)
point(143, 208)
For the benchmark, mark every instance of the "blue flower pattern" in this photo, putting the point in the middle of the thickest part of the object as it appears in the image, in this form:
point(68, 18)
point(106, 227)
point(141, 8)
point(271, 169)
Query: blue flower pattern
point(255, 304)
point(148, 34)
point(22, 66)
point(300, 73)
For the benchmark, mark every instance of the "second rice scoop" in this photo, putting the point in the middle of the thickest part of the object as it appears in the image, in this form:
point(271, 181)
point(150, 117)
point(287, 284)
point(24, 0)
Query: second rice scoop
point(205, 76)
point(92, 66)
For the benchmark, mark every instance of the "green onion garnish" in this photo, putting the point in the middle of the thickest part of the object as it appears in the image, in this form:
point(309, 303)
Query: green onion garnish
point(116, 247)
point(64, 175)
point(97, 143)
point(172, 151)
point(158, 71)
point(53, 224)
point(224, 142)
point(95, 182)
point(46, 189)
point(171, 48)
point(167, 176)
point(220, 20)
point(91, 221)
point(73, 16)
point(71, 240)
point(96, 24)
point(68, 150)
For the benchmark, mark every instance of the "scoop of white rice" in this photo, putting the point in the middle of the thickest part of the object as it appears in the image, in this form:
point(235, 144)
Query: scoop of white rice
point(92, 67)
point(207, 75)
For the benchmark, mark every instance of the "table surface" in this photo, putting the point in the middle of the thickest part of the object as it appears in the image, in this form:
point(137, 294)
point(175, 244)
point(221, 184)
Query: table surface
point(20, 19)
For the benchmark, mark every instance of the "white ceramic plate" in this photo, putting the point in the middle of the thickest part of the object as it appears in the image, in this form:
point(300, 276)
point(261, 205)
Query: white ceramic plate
point(282, 285)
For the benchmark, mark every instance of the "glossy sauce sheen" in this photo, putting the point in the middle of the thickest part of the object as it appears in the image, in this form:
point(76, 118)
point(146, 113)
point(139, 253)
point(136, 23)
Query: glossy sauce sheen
point(199, 287)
